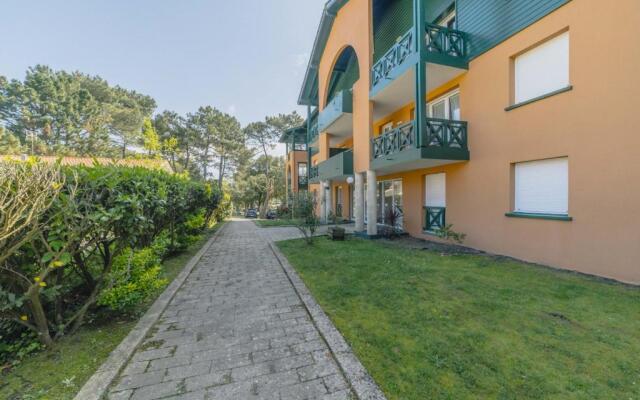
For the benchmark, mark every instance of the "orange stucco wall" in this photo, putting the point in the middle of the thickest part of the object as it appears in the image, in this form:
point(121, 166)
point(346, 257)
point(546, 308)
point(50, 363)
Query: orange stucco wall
point(352, 27)
point(595, 125)
point(293, 158)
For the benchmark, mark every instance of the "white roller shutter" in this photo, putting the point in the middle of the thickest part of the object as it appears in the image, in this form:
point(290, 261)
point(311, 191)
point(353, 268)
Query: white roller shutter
point(542, 187)
point(543, 69)
point(436, 190)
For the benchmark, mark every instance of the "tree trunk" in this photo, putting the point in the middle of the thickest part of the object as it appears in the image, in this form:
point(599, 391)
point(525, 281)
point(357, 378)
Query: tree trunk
point(39, 316)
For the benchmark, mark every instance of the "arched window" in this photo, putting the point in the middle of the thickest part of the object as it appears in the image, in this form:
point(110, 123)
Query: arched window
point(345, 73)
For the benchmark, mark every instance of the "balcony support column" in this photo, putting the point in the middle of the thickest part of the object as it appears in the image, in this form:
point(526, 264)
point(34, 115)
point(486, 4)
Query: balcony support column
point(419, 7)
point(325, 201)
point(358, 201)
point(372, 204)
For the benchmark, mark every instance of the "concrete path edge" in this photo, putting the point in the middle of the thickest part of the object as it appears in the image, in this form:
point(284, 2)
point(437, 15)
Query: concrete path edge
point(356, 374)
point(96, 387)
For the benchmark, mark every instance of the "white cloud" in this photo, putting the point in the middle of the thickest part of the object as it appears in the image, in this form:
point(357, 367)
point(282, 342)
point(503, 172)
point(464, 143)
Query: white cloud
point(231, 109)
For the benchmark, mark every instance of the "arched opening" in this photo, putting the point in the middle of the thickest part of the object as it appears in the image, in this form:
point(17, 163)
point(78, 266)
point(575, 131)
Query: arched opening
point(345, 73)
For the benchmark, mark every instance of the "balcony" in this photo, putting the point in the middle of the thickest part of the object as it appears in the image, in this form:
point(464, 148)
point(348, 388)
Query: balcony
point(303, 182)
point(336, 168)
point(313, 174)
point(394, 76)
point(395, 61)
point(337, 116)
point(313, 133)
point(442, 142)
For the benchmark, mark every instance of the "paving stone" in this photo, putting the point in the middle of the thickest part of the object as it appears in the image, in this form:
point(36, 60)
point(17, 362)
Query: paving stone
point(236, 329)
point(157, 391)
point(139, 380)
point(187, 371)
point(124, 395)
point(168, 362)
point(207, 381)
point(136, 367)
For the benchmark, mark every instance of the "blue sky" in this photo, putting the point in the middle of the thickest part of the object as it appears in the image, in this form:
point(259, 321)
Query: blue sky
point(245, 57)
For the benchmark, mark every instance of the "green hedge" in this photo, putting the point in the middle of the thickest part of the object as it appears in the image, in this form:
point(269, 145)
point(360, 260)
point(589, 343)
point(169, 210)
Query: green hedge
point(84, 237)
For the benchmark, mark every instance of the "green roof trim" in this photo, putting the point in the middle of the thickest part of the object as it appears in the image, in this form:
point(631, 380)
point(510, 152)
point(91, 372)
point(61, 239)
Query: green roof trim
point(299, 131)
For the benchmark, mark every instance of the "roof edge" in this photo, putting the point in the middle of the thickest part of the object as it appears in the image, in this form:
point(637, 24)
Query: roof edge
point(329, 13)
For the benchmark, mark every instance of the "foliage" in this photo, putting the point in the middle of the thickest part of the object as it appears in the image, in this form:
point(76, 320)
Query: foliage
point(392, 218)
point(305, 210)
point(263, 136)
point(9, 143)
point(68, 228)
point(133, 278)
point(150, 138)
point(77, 357)
point(61, 113)
point(251, 182)
point(428, 326)
point(447, 233)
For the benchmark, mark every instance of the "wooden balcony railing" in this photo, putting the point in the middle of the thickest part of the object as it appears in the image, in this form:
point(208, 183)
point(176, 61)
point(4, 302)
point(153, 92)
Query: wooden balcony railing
point(434, 218)
point(442, 40)
point(438, 133)
point(394, 141)
point(393, 58)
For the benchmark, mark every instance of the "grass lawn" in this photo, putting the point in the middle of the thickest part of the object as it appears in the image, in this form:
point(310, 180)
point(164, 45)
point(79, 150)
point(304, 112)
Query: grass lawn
point(433, 326)
point(59, 373)
point(271, 223)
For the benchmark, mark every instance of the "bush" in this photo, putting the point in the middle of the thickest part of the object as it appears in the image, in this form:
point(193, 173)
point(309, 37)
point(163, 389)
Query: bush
point(134, 277)
point(305, 211)
point(89, 234)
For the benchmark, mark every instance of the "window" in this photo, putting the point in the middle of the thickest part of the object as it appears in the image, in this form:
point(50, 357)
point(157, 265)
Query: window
point(339, 208)
point(448, 21)
point(435, 202)
point(542, 70)
point(446, 107)
point(542, 187)
point(388, 127)
point(436, 190)
point(302, 169)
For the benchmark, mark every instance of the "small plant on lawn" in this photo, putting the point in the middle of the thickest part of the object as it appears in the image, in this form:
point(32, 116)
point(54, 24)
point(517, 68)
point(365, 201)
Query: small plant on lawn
point(392, 217)
point(307, 220)
point(447, 233)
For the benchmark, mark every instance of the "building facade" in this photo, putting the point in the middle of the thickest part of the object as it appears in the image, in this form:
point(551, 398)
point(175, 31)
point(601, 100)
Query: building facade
point(512, 122)
point(296, 162)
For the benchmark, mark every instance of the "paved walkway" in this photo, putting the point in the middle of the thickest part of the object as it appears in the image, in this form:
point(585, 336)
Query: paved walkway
point(235, 330)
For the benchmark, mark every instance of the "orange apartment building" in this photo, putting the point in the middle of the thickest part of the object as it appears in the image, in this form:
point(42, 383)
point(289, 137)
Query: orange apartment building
point(514, 122)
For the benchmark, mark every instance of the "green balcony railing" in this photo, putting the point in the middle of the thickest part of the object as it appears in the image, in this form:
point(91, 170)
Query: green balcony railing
point(313, 173)
point(439, 134)
point(445, 41)
point(313, 133)
point(337, 167)
point(434, 218)
point(443, 46)
point(393, 58)
point(303, 182)
point(394, 141)
point(340, 104)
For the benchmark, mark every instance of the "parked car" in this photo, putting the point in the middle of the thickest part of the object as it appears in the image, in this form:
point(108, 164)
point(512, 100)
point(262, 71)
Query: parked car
point(251, 213)
point(271, 214)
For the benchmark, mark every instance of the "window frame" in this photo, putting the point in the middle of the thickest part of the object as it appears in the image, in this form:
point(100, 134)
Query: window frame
point(516, 211)
point(514, 101)
point(446, 98)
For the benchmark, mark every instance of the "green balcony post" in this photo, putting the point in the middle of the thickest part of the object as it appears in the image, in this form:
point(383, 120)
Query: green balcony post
point(419, 23)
